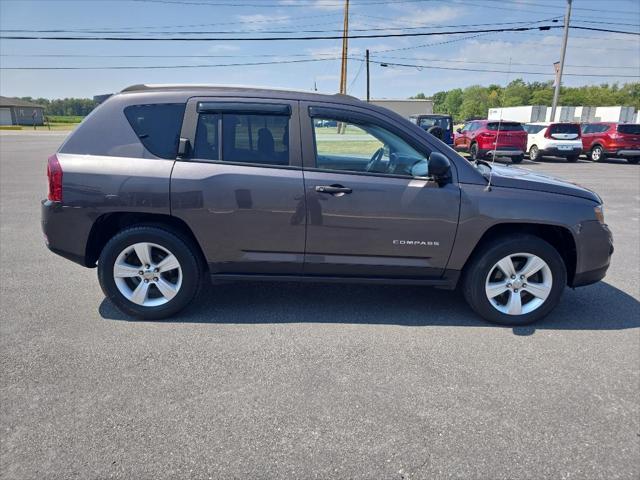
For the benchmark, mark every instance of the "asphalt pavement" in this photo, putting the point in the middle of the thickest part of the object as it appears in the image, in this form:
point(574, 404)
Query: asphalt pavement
point(271, 380)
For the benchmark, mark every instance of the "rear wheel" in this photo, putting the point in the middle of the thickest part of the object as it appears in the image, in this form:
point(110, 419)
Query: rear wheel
point(515, 281)
point(473, 151)
point(517, 159)
point(572, 158)
point(149, 273)
point(633, 160)
point(597, 154)
point(534, 153)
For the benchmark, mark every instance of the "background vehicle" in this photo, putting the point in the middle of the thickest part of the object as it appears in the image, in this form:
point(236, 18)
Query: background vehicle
point(602, 140)
point(146, 190)
point(482, 138)
point(440, 126)
point(554, 140)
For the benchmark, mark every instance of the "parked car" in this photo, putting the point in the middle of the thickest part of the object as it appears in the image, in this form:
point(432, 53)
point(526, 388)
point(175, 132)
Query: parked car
point(609, 139)
point(554, 140)
point(164, 187)
point(440, 126)
point(483, 138)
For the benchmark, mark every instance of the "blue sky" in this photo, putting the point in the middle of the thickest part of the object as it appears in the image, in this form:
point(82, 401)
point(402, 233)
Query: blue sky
point(589, 53)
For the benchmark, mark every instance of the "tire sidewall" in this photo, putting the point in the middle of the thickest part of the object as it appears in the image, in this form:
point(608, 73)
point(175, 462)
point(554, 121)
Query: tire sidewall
point(600, 157)
point(473, 151)
point(475, 278)
point(517, 159)
point(178, 247)
point(534, 153)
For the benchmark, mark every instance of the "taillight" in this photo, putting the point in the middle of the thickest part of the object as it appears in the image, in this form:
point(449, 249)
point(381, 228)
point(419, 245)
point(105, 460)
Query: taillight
point(54, 174)
point(488, 135)
point(547, 132)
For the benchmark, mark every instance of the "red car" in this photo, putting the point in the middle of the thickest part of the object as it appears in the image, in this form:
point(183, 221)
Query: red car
point(610, 139)
point(488, 138)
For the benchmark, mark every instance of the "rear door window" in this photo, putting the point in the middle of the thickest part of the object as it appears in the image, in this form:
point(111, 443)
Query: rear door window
point(629, 129)
point(157, 126)
point(255, 138)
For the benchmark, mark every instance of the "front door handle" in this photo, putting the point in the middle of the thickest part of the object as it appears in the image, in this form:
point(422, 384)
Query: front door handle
point(337, 190)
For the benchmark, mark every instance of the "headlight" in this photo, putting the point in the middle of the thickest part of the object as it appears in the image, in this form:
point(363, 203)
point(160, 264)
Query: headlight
point(599, 211)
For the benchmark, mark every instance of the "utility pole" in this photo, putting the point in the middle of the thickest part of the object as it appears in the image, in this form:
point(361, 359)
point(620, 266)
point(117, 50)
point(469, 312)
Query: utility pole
point(368, 89)
point(345, 48)
point(565, 37)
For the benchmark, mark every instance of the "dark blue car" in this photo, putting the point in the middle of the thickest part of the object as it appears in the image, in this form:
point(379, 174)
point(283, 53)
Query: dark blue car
point(440, 126)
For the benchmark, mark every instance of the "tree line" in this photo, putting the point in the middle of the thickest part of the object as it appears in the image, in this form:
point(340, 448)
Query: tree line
point(64, 106)
point(475, 101)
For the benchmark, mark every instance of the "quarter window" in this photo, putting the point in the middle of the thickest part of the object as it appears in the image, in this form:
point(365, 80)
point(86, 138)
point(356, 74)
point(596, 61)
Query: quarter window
point(364, 148)
point(157, 127)
point(206, 146)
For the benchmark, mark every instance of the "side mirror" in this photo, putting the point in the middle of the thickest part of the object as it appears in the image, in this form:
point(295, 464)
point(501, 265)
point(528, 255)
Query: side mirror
point(184, 147)
point(459, 130)
point(439, 167)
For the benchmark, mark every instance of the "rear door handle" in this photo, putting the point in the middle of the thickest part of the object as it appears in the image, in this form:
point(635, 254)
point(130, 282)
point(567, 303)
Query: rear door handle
point(333, 189)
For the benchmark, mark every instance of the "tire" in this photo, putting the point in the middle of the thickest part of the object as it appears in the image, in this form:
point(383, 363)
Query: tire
point(572, 159)
point(596, 154)
point(517, 159)
point(473, 152)
point(180, 284)
point(633, 160)
point(534, 153)
point(481, 272)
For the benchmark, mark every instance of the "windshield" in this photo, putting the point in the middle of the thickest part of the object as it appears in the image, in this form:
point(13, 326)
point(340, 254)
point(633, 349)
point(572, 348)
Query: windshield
point(442, 122)
point(633, 129)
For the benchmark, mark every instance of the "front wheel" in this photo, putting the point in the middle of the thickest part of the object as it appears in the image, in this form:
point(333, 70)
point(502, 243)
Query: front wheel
point(597, 154)
point(149, 273)
point(515, 281)
point(534, 153)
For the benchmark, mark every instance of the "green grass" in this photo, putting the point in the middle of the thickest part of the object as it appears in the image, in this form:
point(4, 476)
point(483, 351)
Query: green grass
point(64, 118)
point(330, 142)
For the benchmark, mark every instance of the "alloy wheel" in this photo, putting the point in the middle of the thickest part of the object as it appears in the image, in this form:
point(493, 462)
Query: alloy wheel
point(518, 284)
point(147, 274)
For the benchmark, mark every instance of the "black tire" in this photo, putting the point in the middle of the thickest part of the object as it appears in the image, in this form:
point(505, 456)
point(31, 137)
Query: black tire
point(483, 262)
point(184, 251)
point(633, 160)
point(534, 153)
point(517, 159)
point(572, 158)
point(473, 152)
point(596, 154)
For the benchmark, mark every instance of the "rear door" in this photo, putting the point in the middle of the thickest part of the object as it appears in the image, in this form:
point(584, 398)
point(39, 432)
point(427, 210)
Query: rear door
point(367, 215)
point(240, 186)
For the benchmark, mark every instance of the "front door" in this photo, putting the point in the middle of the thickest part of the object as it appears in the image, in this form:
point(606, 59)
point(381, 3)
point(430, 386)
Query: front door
point(240, 188)
point(366, 214)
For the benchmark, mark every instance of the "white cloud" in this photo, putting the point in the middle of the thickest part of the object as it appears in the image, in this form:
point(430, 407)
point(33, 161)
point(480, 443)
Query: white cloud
point(428, 16)
point(222, 47)
point(260, 21)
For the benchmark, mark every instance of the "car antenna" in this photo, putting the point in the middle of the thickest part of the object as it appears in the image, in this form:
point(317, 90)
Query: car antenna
point(495, 146)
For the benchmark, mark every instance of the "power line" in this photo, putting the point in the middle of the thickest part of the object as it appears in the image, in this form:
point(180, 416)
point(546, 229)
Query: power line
point(314, 37)
point(432, 67)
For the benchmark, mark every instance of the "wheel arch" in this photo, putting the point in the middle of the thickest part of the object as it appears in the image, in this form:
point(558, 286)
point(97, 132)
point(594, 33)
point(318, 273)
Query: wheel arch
point(109, 224)
point(557, 236)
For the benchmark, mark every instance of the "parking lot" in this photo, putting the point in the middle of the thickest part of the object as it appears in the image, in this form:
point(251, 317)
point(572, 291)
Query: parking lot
point(304, 381)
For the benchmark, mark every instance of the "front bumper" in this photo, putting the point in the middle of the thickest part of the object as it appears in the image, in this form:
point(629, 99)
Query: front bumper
point(594, 246)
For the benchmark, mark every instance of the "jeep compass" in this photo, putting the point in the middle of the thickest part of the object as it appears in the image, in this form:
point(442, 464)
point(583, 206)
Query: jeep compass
point(164, 188)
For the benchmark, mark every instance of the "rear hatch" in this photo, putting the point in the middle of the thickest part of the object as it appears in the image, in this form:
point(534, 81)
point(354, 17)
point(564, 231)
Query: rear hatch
point(564, 131)
point(508, 134)
point(628, 135)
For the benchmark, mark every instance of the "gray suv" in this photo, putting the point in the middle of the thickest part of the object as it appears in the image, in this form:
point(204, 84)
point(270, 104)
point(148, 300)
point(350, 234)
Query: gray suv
point(166, 187)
